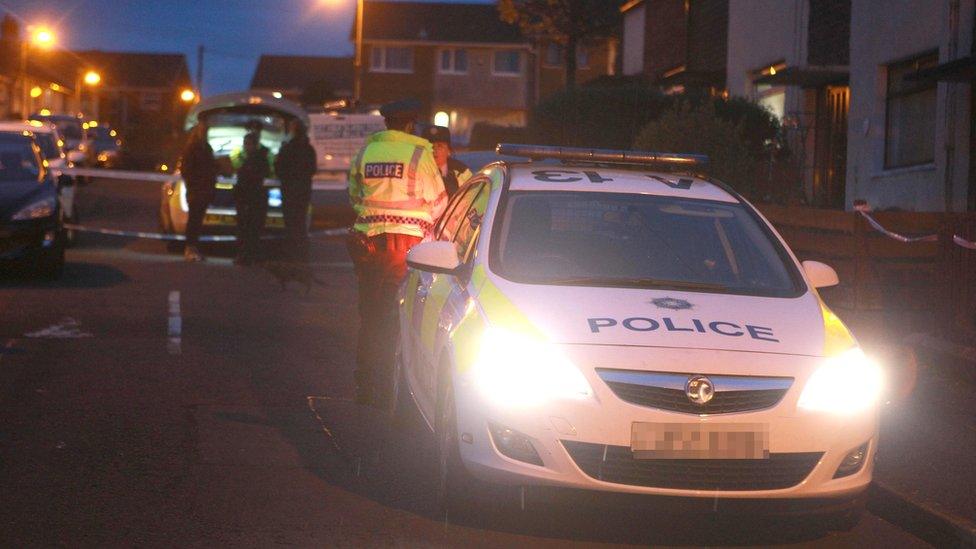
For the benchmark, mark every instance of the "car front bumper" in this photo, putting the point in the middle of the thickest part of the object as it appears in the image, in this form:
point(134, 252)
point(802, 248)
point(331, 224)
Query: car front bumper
point(586, 444)
point(19, 239)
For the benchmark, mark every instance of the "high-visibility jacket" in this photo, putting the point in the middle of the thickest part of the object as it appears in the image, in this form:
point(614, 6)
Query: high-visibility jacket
point(395, 185)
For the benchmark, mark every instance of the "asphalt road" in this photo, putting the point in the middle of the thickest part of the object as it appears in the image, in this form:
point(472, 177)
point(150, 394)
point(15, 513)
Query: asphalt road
point(146, 401)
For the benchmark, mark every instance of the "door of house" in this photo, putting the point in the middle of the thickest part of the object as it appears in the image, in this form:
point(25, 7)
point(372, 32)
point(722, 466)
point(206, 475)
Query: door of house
point(830, 161)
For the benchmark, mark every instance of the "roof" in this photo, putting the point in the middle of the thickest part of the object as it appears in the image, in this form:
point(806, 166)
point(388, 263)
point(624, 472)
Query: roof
point(805, 77)
point(571, 177)
point(138, 70)
point(283, 72)
point(437, 22)
point(957, 70)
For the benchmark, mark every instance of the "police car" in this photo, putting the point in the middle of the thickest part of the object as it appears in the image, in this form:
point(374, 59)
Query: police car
point(609, 321)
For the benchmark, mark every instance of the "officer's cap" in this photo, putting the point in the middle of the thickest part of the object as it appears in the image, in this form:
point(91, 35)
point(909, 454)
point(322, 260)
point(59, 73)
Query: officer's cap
point(437, 134)
point(405, 108)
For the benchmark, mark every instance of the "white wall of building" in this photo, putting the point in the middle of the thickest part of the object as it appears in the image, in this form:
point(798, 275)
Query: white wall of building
point(635, 24)
point(763, 32)
point(887, 31)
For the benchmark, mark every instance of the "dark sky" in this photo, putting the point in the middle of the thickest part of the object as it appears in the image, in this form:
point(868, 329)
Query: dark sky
point(234, 32)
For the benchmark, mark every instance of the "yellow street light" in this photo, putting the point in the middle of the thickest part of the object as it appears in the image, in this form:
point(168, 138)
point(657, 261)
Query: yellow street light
point(187, 95)
point(36, 92)
point(92, 78)
point(43, 37)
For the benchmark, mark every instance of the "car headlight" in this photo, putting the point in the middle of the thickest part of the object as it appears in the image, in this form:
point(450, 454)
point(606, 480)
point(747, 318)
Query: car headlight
point(36, 210)
point(844, 384)
point(518, 370)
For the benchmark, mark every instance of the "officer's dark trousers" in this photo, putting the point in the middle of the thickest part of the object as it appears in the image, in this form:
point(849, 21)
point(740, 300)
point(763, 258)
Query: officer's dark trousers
point(295, 197)
point(252, 209)
point(381, 264)
point(198, 197)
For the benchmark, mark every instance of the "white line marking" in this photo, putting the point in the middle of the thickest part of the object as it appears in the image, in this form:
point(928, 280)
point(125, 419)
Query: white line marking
point(68, 328)
point(174, 329)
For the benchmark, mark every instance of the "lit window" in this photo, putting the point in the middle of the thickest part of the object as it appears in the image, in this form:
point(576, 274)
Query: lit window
point(910, 114)
point(391, 59)
point(454, 61)
point(773, 98)
point(442, 119)
point(507, 63)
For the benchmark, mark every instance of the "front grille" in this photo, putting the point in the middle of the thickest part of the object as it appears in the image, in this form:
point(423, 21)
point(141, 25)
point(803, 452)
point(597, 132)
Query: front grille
point(616, 464)
point(666, 391)
point(675, 400)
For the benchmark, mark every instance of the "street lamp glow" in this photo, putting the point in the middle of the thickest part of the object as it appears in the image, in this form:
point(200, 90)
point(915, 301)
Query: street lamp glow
point(276, 95)
point(36, 92)
point(187, 96)
point(43, 37)
point(92, 78)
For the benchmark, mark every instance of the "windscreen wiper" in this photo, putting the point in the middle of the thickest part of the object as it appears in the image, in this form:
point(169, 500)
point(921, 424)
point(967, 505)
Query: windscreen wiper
point(637, 282)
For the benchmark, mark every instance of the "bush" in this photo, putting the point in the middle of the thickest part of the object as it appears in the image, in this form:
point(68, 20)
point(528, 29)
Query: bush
point(601, 116)
point(689, 129)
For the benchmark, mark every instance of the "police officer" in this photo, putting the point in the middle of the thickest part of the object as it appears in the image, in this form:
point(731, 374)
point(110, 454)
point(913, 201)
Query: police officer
point(454, 172)
point(253, 165)
point(199, 169)
point(295, 166)
point(397, 192)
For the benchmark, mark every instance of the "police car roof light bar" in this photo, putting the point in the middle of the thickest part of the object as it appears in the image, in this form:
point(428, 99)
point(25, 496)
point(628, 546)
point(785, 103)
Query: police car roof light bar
point(603, 156)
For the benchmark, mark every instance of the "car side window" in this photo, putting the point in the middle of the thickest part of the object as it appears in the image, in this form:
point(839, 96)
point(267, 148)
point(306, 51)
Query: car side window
point(448, 211)
point(468, 229)
point(454, 216)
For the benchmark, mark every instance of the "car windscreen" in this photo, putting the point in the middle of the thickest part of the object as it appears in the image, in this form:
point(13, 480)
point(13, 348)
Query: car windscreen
point(17, 159)
point(49, 148)
point(639, 241)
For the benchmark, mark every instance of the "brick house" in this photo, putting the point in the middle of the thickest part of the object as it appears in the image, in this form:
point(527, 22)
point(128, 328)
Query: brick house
point(676, 44)
point(792, 58)
point(460, 60)
point(594, 59)
point(139, 94)
point(292, 75)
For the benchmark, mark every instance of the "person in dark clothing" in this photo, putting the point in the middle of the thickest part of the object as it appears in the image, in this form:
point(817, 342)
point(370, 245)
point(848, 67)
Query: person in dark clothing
point(454, 172)
point(199, 169)
point(295, 166)
point(253, 167)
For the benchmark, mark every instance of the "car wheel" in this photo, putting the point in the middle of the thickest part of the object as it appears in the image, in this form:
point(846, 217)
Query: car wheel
point(50, 261)
point(457, 492)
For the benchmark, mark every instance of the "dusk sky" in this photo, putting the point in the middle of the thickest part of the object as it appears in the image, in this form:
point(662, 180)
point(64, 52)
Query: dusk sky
point(234, 32)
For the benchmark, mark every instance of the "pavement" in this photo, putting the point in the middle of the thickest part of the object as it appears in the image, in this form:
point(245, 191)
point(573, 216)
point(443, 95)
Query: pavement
point(146, 401)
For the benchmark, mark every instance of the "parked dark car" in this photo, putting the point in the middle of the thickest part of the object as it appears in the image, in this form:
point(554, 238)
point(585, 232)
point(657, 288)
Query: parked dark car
point(31, 230)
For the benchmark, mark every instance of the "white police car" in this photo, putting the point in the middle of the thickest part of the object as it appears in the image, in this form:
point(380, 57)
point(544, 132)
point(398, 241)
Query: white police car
point(613, 323)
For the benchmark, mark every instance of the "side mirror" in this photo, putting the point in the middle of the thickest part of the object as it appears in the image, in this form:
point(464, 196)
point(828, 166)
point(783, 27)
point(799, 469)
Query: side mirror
point(434, 257)
point(76, 157)
point(820, 274)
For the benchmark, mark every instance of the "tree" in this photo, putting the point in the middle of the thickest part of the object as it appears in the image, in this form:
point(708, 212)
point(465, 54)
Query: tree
point(565, 22)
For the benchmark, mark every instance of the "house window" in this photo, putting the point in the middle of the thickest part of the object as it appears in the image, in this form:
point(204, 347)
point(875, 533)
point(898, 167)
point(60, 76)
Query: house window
point(556, 56)
point(910, 114)
point(507, 63)
point(391, 59)
point(454, 61)
point(773, 98)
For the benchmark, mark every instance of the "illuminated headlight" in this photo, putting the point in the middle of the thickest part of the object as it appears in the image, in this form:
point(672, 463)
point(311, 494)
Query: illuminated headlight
point(517, 370)
point(845, 384)
point(184, 205)
point(36, 210)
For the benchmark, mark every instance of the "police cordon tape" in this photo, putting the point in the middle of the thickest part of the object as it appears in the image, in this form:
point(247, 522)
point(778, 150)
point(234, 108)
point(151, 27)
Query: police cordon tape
point(326, 183)
point(956, 239)
point(182, 238)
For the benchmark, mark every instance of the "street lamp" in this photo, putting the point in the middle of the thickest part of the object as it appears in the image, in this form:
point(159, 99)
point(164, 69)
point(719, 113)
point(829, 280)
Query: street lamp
point(92, 78)
point(358, 59)
point(188, 95)
point(43, 38)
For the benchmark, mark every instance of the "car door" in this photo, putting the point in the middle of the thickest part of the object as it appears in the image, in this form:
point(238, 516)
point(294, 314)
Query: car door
point(430, 291)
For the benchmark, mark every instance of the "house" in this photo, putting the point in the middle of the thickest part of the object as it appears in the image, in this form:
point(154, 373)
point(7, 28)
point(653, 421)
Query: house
point(51, 79)
point(304, 79)
point(792, 57)
point(594, 59)
point(676, 44)
point(910, 139)
point(460, 60)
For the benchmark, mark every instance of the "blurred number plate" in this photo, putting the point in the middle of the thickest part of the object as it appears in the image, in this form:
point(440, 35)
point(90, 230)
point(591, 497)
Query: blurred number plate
point(699, 440)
